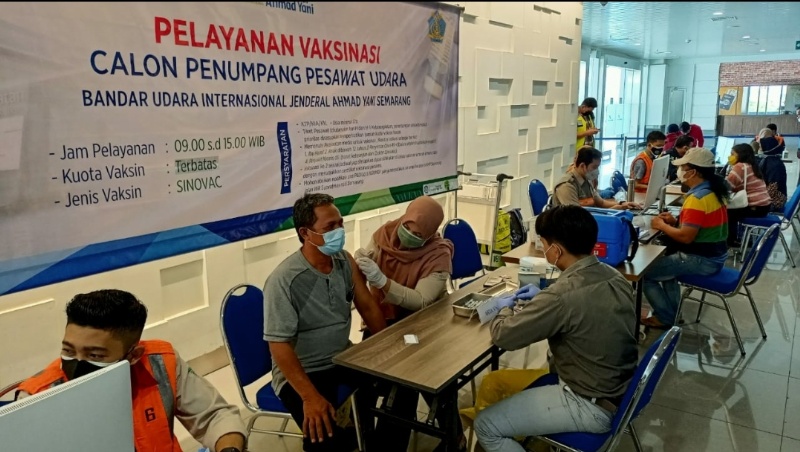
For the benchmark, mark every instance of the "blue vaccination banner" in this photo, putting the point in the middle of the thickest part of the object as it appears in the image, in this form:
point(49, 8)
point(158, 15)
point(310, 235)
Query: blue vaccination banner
point(131, 132)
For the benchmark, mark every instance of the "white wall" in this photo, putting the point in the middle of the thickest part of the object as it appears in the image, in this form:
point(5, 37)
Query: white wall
point(655, 101)
point(700, 78)
point(504, 117)
point(519, 65)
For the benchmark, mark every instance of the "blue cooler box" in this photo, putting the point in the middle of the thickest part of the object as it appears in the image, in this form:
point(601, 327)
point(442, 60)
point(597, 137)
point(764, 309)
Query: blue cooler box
point(617, 240)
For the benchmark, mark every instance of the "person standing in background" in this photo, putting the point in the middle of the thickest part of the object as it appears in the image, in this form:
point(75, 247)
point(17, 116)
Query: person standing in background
point(586, 128)
point(694, 131)
point(673, 133)
point(774, 129)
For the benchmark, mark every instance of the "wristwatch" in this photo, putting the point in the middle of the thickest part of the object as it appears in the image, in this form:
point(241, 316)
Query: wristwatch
point(230, 449)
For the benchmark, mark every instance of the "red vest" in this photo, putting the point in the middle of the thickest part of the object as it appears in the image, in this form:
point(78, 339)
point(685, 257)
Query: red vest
point(648, 162)
point(154, 385)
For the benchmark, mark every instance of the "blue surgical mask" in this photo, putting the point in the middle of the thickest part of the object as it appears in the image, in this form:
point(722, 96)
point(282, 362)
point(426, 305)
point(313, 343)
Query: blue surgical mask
point(334, 241)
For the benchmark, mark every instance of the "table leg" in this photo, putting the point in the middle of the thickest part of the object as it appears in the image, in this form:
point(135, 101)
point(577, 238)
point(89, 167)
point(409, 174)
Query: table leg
point(495, 359)
point(452, 419)
point(365, 400)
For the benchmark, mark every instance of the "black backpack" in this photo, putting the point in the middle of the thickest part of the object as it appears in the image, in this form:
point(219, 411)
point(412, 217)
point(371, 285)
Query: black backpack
point(519, 235)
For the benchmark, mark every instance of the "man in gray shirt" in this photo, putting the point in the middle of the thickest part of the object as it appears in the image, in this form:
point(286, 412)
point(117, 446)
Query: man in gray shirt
point(587, 319)
point(307, 321)
point(576, 189)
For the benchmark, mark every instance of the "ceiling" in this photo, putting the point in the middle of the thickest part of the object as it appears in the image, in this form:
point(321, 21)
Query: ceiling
point(669, 30)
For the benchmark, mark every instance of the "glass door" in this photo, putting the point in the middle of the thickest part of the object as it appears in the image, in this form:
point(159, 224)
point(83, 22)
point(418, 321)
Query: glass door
point(620, 118)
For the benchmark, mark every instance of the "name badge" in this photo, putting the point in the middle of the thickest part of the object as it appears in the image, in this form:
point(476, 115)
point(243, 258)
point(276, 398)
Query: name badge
point(488, 310)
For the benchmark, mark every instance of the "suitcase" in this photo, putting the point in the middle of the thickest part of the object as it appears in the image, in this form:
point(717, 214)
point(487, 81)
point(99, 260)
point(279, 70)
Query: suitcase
point(617, 240)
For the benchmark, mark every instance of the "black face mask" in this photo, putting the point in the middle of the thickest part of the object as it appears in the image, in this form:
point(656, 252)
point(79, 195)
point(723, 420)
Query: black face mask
point(76, 368)
point(656, 151)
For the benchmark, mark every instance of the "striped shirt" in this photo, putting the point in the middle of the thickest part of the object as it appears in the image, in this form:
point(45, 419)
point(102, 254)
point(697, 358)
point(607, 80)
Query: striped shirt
point(702, 210)
point(757, 194)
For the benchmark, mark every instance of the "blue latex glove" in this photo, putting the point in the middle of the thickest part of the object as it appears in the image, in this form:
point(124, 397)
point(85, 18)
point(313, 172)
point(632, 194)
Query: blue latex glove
point(526, 292)
point(506, 301)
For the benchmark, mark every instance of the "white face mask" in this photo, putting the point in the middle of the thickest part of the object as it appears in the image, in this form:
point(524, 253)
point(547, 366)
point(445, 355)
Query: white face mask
point(681, 175)
point(554, 264)
point(593, 174)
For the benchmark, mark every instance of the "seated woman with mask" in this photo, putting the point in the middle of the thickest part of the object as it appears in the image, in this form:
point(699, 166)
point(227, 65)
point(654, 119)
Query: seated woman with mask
point(407, 264)
point(746, 175)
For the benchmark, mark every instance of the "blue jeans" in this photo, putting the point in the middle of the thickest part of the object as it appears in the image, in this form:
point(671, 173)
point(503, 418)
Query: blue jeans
point(661, 286)
point(538, 411)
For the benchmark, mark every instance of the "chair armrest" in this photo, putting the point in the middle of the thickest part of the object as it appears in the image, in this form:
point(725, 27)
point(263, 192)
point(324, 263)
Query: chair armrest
point(10, 388)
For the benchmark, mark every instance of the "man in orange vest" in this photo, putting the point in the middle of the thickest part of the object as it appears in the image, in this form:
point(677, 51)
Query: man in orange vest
point(642, 165)
point(104, 327)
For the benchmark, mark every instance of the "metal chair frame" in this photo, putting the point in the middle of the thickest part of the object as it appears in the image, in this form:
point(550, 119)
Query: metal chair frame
point(626, 424)
point(743, 283)
point(8, 389)
point(786, 221)
point(257, 412)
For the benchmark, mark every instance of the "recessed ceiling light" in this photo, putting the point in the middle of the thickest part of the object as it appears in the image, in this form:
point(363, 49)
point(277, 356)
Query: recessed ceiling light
point(746, 37)
point(718, 13)
point(638, 44)
point(763, 50)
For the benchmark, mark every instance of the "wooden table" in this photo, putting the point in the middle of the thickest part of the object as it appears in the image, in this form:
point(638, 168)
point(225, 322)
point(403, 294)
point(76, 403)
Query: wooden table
point(452, 350)
point(632, 271)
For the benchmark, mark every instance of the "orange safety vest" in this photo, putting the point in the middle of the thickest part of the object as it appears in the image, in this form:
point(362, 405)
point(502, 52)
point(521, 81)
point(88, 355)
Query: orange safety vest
point(648, 162)
point(154, 385)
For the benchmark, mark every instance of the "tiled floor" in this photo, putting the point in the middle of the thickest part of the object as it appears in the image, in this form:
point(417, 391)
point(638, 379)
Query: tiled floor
point(710, 399)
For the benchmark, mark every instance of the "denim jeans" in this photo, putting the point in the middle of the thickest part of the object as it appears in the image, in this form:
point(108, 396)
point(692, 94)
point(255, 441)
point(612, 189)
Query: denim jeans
point(661, 286)
point(538, 411)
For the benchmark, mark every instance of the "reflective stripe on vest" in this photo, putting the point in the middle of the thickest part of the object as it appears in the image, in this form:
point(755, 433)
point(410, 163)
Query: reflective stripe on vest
point(164, 387)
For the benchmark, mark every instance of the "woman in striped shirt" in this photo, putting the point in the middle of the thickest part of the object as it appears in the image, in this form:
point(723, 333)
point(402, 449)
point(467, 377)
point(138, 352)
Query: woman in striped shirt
point(743, 164)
